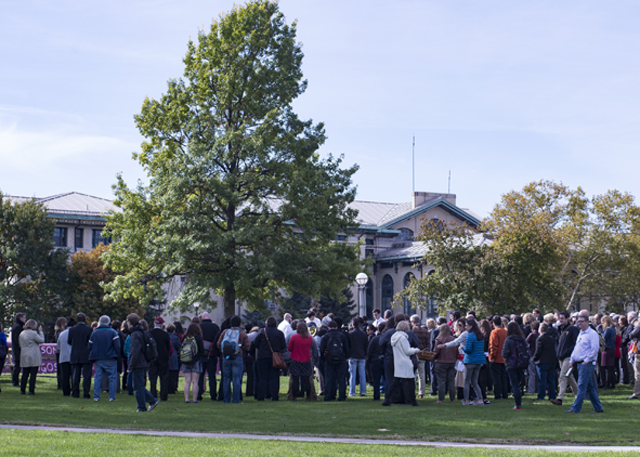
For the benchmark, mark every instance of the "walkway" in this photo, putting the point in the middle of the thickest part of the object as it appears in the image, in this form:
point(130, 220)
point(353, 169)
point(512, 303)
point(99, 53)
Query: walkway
point(315, 439)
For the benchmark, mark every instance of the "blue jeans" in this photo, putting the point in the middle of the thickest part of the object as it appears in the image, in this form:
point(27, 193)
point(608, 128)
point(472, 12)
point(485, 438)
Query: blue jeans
point(110, 367)
point(356, 372)
point(546, 380)
point(586, 387)
point(515, 378)
point(143, 396)
point(232, 372)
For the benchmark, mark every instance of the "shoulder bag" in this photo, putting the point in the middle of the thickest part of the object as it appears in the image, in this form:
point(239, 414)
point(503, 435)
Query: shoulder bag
point(277, 360)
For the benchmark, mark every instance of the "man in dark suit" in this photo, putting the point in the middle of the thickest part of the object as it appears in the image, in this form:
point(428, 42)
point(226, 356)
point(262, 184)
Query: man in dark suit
point(160, 366)
point(79, 336)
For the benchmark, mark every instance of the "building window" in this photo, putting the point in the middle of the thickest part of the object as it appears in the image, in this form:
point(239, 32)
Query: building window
point(79, 238)
point(406, 234)
point(387, 292)
point(60, 237)
point(97, 238)
point(368, 242)
point(386, 265)
point(368, 292)
point(341, 238)
point(408, 309)
point(369, 252)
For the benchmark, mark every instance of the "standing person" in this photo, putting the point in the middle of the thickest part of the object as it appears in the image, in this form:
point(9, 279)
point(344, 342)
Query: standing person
point(138, 363)
point(424, 342)
point(516, 355)
point(403, 376)
point(532, 370)
point(377, 318)
point(285, 326)
point(116, 325)
point(15, 347)
point(445, 364)
point(334, 347)
point(159, 367)
point(546, 361)
point(233, 343)
point(583, 358)
point(78, 338)
point(634, 336)
point(268, 341)
point(607, 363)
point(301, 364)
point(174, 363)
point(473, 361)
point(358, 343)
point(191, 354)
point(59, 327)
point(64, 366)
point(4, 348)
point(104, 346)
point(210, 335)
point(30, 355)
point(498, 367)
point(374, 359)
point(566, 343)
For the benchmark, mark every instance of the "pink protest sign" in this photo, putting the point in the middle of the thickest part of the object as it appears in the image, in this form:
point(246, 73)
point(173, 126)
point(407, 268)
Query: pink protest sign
point(48, 351)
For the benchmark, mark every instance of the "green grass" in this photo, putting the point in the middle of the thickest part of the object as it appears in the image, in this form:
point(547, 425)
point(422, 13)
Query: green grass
point(25, 443)
point(537, 422)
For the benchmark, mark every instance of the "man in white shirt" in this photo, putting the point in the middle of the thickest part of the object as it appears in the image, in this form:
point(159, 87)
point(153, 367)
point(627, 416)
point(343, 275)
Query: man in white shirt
point(285, 325)
point(583, 358)
point(377, 318)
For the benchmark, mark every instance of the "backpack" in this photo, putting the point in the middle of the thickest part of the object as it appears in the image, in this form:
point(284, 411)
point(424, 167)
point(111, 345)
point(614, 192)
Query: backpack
point(188, 350)
point(519, 358)
point(150, 349)
point(230, 346)
point(334, 354)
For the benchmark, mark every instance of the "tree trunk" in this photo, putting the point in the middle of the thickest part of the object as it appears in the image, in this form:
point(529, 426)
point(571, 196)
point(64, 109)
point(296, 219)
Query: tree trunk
point(229, 301)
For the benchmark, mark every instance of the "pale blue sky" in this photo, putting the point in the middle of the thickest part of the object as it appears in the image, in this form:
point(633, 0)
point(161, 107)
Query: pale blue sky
point(499, 92)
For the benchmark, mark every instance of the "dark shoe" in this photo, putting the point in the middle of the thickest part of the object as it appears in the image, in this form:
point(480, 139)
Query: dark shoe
point(384, 403)
point(570, 411)
point(76, 396)
point(597, 412)
point(486, 402)
point(22, 392)
point(141, 410)
point(153, 405)
point(557, 402)
point(416, 404)
point(86, 396)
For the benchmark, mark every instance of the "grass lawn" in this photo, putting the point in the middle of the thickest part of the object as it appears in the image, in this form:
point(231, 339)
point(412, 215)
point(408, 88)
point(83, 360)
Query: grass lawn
point(537, 422)
point(25, 443)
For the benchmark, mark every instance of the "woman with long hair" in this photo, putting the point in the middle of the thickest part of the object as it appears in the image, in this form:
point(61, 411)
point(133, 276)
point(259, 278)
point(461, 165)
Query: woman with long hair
point(473, 359)
point(607, 360)
point(192, 367)
point(445, 364)
point(514, 342)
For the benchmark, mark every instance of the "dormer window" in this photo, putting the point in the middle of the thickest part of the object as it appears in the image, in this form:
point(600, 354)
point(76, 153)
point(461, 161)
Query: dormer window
point(406, 234)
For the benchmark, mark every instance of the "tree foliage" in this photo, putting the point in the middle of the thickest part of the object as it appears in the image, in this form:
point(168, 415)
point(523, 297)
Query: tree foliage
point(32, 273)
point(551, 248)
point(88, 277)
point(238, 199)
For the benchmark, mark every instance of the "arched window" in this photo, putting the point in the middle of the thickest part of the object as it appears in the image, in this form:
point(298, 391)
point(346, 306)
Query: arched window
point(406, 234)
point(387, 293)
point(408, 309)
point(368, 293)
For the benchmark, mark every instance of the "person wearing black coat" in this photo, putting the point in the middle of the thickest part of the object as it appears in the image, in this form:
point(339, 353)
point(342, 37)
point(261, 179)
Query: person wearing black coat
point(358, 343)
point(138, 364)
point(15, 347)
point(546, 362)
point(374, 360)
point(78, 339)
point(334, 370)
point(160, 367)
point(269, 339)
point(210, 335)
point(566, 342)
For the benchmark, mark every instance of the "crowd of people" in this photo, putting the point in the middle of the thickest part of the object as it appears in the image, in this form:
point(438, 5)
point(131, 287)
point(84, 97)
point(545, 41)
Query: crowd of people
point(461, 358)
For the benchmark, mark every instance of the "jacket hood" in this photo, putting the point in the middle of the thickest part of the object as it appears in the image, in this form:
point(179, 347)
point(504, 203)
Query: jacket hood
point(395, 338)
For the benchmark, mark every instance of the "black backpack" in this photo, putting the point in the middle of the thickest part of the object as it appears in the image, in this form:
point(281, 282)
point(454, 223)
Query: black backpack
point(519, 358)
point(334, 354)
point(150, 348)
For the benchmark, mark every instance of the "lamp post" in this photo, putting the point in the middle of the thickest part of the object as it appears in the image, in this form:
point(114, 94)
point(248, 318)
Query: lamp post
point(362, 279)
point(195, 305)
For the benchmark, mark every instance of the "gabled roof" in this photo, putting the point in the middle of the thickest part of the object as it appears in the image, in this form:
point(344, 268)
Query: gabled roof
point(385, 215)
point(72, 205)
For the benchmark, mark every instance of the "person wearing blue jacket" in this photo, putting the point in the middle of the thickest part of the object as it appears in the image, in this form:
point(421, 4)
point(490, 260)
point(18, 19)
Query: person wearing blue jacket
point(473, 360)
point(104, 347)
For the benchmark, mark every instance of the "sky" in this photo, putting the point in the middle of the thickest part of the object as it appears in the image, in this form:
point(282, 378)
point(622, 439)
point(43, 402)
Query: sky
point(497, 92)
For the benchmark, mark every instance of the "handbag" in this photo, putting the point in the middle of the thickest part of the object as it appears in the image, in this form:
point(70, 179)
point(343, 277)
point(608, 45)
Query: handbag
point(277, 360)
point(427, 356)
point(459, 366)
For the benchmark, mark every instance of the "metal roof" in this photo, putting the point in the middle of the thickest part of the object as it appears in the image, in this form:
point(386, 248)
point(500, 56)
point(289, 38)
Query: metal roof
point(415, 250)
point(72, 203)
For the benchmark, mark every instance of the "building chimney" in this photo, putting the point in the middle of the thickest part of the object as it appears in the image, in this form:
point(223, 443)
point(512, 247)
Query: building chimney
point(420, 198)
